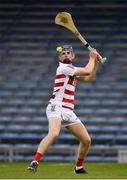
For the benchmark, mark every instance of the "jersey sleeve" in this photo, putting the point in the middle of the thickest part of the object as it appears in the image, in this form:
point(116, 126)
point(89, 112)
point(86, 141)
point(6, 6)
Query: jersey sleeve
point(68, 70)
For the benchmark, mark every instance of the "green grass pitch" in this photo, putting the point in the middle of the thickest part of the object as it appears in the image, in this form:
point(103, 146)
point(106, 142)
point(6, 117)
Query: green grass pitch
point(54, 170)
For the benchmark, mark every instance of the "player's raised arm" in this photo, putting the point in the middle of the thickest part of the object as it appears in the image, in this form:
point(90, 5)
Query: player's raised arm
point(90, 69)
point(92, 75)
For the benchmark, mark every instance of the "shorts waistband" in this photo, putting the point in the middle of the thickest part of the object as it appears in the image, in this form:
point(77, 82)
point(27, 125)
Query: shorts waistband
point(64, 106)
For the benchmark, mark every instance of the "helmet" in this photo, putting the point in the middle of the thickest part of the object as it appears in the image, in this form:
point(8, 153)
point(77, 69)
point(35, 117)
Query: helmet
point(65, 47)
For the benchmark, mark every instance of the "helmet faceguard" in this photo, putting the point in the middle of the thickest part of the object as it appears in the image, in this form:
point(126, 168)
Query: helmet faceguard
point(63, 48)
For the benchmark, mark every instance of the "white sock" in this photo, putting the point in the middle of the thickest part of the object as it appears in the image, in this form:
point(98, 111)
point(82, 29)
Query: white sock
point(35, 161)
point(78, 167)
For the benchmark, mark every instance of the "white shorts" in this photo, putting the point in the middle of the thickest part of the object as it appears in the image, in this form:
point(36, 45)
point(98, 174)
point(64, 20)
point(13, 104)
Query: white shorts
point(67, 116)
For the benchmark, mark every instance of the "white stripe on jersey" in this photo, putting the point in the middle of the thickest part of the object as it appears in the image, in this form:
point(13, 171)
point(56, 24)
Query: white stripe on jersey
point(70, 87)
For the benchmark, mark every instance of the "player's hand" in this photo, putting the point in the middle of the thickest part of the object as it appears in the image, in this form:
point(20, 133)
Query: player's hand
point(93, 54)
point(98, 58)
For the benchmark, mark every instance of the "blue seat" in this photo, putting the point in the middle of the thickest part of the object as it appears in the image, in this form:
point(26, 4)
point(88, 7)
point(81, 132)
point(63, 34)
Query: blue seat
point(23, 94)
point(97, 94)
point(27, 110)
point(109, 129)
point(103, 137)
point(94, 159)
point(115, 94)
point(110, 159)
point(117, 120)
point(121, 138)
point(9, 136)
point(103, 111)
point(16, 102)
point(15, 128)
point(3, 158)
point(37, 128)
point(22, 119)
point(39, 119)
point(41, 94)
point(87, 102)
point(25, 146)
point(66, 137)
point(30, 136)
point(123, 129)
point(18, 158)
point(9, 110)
point(108, 79)
point(118, 146)
point(2, 78)
point(5, 119)
point(85, 111)
point(5, 93)
point(109, 103)
point(97, 119)
point(10, 85)
point(123, 102)
point(94, 129)
point(3, 102)
point(120, 111)
point(4, 148)
point(100, 147)
point(54, 158)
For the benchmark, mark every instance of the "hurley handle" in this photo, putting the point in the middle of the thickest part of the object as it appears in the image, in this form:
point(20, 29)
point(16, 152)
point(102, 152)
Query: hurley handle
point(102, 59)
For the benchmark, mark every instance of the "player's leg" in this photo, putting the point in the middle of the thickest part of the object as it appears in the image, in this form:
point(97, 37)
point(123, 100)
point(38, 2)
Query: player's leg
point(81, 133)
point(54, 129)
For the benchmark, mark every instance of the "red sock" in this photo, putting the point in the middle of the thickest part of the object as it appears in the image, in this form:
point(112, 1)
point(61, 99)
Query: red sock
point(79, 162)
point(37, 156)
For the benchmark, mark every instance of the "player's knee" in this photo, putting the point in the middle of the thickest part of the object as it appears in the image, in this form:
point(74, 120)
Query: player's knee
point(54, 135)
point(87, 141)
